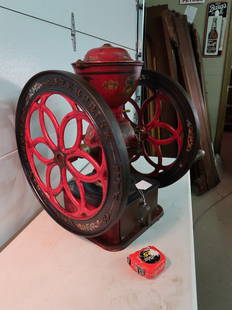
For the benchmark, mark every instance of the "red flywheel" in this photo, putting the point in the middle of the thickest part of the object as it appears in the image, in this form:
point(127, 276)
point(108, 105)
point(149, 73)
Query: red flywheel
point(72, 152)
point(167, 129)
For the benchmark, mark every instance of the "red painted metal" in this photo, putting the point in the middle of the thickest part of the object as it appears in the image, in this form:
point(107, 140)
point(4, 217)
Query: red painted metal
point(108, 53)
point(144, 129)
point(62, 157)
point(112, 72)
point(115, 75)
point(104, 203)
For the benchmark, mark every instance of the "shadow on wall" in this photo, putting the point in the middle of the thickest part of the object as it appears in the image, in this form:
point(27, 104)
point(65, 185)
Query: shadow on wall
point(9, 94)
point(17, 202)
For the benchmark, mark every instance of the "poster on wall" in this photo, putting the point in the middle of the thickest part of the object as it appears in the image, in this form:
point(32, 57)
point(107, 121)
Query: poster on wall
point(191, 1)
point(216, 19)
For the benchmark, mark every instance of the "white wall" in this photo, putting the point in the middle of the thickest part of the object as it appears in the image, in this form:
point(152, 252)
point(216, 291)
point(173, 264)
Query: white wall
point(29, 45)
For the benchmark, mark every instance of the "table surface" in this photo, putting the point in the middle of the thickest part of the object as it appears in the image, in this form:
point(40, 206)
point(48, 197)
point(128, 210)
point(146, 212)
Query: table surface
point(47, 267)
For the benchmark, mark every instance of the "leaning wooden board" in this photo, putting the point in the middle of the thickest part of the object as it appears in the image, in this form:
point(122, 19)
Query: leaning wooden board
point(181, 66)
point(208, 177)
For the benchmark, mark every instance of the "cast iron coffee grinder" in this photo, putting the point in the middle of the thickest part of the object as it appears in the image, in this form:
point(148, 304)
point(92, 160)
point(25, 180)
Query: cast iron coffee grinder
point(93, 154)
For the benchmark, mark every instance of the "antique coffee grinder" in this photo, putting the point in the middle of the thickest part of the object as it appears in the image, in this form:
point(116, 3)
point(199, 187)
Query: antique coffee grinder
point(94, 154)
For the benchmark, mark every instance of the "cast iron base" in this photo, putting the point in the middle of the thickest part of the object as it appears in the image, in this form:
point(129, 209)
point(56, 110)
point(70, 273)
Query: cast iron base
point(139, 215)
point(104, 240)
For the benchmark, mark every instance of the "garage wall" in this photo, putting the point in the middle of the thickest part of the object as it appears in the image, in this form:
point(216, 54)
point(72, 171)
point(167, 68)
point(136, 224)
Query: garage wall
point(29, 45)
point(213, 67)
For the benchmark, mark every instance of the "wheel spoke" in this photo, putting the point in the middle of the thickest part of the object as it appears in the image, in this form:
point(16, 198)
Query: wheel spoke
point(52, 191)
point(99, 170)
point(32, 146)
point(82, 209)
point(145, 104)
point(43, 109)
point(174, 132)
point(135, 157)
point(28, 138)
point(159, 165)
point(68, 191)
point(82, 177)
point(72, 115)
point(153, 123)
point(158, 154)
point(137, 109)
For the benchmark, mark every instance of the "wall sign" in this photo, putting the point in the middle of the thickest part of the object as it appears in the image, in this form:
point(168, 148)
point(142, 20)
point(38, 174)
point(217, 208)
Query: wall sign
point(191, 1)
point(216, 19)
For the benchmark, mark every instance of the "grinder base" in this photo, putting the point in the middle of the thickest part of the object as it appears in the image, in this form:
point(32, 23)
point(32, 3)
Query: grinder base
point(141, 212)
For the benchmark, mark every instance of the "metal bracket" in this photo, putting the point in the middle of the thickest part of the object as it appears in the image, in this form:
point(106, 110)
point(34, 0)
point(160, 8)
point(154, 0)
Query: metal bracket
point(73, 32)
point(139, 6)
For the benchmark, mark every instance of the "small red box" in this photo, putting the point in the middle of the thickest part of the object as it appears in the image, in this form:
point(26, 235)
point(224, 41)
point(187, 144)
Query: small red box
point(148, 262)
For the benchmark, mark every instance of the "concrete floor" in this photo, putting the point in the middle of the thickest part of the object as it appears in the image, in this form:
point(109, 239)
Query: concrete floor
point(212, 215)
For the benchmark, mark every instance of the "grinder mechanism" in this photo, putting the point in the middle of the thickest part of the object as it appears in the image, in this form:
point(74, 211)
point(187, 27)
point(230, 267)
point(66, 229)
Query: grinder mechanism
point(86, 145)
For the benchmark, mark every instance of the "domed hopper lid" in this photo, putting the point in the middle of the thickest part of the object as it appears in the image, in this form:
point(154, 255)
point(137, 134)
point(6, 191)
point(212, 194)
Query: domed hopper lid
point(107, 54)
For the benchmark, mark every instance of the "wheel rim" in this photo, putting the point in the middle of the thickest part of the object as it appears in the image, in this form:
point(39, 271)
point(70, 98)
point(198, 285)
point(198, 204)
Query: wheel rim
point(100, 144)
point(63, 158)
point(157, 136)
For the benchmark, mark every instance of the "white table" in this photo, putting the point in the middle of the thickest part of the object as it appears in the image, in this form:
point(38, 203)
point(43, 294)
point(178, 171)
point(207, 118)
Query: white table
point(47, 268)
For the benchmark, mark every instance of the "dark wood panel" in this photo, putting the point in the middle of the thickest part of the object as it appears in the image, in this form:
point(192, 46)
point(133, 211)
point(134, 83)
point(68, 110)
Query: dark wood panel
point(179, 58)
point(158, 57)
